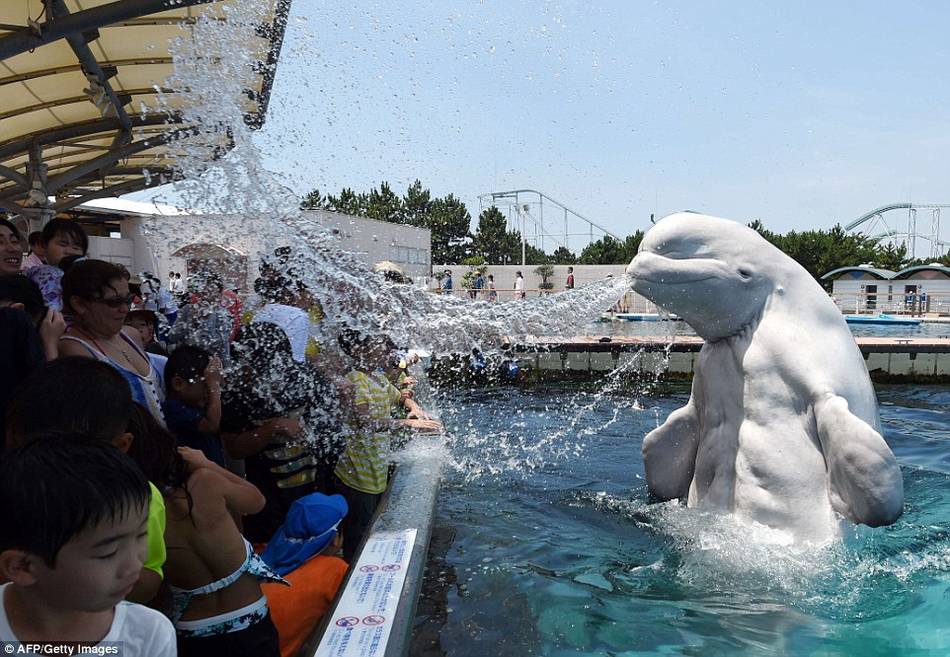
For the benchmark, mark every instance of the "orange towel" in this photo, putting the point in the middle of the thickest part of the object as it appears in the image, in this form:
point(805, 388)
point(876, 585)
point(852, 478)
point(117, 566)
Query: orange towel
point(297, 609)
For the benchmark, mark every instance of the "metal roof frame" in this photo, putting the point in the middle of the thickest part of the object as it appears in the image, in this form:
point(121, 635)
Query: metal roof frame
point(82, 147)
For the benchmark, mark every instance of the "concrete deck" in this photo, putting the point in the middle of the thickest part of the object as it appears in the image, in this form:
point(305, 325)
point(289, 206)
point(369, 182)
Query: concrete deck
point(887, 359)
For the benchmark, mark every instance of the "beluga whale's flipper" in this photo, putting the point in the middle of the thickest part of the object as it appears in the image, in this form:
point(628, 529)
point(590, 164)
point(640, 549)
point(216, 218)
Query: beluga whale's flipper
point(864, 479)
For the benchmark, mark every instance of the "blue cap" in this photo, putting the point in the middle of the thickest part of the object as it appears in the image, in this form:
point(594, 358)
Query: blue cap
point(310, 525)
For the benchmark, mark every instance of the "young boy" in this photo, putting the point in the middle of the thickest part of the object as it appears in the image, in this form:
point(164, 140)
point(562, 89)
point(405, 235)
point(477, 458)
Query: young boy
point(193, 404)
point(72, 543)
point(82, 396)
point(144, 322)
point(362, 472)
point(60, 238)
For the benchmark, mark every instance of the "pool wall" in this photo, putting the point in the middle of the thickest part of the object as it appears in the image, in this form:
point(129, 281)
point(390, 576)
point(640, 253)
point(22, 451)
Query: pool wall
point(409, 504)
point(889, 360)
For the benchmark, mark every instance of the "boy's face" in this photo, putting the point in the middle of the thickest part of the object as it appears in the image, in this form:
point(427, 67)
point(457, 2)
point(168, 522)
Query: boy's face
point(193, 392)
point(143, 326)
point(97, 568)
point(62, 245)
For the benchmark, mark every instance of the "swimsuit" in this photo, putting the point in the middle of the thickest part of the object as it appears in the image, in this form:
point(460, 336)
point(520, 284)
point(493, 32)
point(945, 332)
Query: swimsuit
point(232, 621)
point(146, 390)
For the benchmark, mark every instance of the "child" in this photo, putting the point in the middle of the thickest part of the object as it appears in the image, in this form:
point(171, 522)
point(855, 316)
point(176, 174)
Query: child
point(37, 254)
point(306, 551)
point(362, 472)
point(193, 403)
point(60, 238)
point(144, 321)
point(81, 396)
point(69, 567)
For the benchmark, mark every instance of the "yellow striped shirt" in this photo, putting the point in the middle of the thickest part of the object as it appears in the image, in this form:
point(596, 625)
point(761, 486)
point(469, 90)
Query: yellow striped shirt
point(364, 464)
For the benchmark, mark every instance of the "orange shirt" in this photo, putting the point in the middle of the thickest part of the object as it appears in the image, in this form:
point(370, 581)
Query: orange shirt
point(297, 609)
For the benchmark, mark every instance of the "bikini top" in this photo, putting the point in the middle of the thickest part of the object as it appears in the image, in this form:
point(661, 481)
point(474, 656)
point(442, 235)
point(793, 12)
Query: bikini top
point(253, 565)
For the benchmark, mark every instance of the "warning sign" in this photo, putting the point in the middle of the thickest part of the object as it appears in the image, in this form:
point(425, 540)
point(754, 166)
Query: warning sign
point(363, 618)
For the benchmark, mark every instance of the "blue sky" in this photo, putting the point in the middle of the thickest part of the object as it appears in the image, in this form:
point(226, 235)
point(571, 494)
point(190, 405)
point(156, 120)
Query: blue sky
point(801, 114)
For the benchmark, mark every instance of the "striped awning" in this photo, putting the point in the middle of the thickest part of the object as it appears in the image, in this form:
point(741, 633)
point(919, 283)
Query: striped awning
point(80, 114)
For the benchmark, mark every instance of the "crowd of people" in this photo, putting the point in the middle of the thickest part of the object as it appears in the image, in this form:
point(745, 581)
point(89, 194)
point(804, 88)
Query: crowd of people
point(173, 461)
point(482, 286)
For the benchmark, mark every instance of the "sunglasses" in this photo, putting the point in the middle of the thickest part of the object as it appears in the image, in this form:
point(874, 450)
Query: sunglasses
point(116, 302)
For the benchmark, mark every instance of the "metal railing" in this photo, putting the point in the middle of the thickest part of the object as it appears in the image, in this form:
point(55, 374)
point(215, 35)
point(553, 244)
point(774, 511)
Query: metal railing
point(895, 303)
point(631, 302)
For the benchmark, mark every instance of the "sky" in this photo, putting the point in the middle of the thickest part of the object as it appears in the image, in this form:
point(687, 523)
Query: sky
point(799, 114)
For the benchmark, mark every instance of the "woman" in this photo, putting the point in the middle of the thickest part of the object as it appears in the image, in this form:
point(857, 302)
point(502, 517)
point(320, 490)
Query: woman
point(213, 574)
point(11, 248)
point(96, 295)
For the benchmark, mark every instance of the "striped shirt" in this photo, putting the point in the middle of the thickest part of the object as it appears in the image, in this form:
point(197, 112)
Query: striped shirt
point(364, 464)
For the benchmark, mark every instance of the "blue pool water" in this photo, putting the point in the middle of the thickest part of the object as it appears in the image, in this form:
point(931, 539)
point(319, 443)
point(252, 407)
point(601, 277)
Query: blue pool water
point(554, 550)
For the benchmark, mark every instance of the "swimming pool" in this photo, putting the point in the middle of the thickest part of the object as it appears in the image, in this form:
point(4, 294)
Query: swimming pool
point(546, 544)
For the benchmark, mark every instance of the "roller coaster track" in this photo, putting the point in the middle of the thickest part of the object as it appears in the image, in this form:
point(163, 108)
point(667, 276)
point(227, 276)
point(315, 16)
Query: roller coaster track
point(867, 223)
point(881, 210)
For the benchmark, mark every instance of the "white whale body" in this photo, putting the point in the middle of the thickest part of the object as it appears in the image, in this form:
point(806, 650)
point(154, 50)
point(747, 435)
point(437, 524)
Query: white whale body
point(782, 425)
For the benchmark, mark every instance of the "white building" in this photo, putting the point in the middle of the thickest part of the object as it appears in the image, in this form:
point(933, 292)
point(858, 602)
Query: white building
point(145, 236)
point(868, 289)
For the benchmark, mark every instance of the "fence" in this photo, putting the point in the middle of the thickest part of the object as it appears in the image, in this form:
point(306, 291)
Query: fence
point(631, 302)
point(897, 303)
point(849, 303)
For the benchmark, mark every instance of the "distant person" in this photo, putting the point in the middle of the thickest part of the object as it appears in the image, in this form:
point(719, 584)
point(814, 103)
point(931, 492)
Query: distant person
point(447, 282)
point(492, 292)
point(569, 285)
point(204, 322)
point(70, 565)
point(519, 286)
point(479, 284)
point(171, 281)
point(37, 255)
point(923, 302)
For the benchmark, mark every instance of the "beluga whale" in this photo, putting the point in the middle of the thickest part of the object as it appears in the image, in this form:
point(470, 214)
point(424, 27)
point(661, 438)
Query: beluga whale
point(782, 425)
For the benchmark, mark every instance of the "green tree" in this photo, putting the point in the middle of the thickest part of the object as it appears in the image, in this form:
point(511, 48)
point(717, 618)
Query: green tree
point(563, 256)
point(891, 257)
point(384, 205)
point(605, 251)
point(631, 244)
point(449, 222)
point(493, 241)
point(535, 256)
point(416, 206)
point(821, 251)
point(348, 202)
point(545, 272)
point(314, 200)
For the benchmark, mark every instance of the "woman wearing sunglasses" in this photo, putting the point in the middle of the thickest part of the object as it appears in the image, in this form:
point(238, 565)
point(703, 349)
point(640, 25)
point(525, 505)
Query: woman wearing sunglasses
point(97, 298)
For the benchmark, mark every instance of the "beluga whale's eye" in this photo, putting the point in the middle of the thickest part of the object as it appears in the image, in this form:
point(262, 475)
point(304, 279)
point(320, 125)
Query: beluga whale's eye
point(744, 273)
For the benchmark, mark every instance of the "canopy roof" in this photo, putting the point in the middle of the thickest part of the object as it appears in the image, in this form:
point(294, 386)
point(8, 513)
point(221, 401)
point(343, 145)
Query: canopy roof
point(79, 95)
point(935, 268)
point(882, 274)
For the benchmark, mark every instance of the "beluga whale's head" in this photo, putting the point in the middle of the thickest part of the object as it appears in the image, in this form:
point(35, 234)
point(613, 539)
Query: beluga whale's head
point(714, 273)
